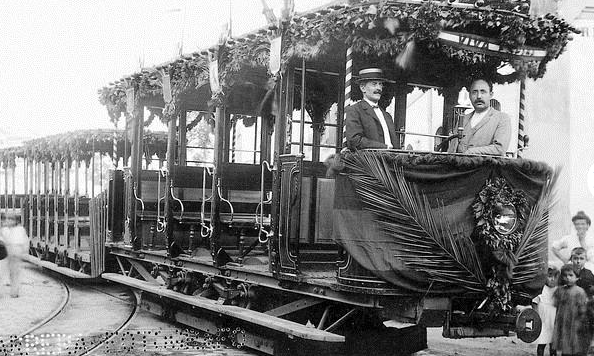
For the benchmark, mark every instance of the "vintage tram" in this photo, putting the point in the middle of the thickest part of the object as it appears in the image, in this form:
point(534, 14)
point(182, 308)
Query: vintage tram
point(237, 227)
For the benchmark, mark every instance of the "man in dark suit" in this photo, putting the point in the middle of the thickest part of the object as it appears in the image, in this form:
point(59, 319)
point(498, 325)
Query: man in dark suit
point(366, 124)
point(486, 130)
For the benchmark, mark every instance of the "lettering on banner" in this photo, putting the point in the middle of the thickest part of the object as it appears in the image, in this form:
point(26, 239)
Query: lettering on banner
point(473, 42)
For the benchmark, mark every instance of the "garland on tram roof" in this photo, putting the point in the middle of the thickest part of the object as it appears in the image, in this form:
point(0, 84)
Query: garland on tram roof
point(185, 75)
point(80, 145)
point(387, 28)
point(383, 29)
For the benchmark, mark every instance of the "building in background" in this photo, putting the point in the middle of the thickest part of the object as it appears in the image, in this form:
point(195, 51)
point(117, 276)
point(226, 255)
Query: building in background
point(560, 118)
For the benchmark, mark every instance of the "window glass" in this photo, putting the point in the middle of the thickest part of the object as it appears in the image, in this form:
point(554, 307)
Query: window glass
point(320, 117)
point(244, 139)
point(200, 136)
point(424, 115)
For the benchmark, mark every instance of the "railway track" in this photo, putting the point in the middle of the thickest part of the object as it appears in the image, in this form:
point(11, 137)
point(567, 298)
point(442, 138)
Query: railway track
point(108, 319)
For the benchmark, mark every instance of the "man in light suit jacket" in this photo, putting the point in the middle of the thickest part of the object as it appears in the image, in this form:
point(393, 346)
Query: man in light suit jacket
point(486, 130)
point(366, 124)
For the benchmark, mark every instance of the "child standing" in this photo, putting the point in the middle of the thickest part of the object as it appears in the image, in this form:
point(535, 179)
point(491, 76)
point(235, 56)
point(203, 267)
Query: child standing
point(570, 334)
point(544, 305)
point(585, 277)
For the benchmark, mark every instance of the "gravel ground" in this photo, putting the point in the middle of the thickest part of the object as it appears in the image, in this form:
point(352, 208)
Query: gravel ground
point(40, 295)
point(508, 346)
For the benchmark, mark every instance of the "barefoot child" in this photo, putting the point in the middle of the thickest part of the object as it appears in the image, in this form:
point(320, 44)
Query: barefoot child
point(544, 305)
point(570, 334)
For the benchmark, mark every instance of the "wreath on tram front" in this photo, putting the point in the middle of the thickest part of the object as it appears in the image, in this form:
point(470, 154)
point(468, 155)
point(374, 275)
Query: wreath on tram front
point(500, 213)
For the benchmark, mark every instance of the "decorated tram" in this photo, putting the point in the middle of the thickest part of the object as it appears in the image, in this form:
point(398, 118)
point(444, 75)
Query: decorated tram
point(248, 218)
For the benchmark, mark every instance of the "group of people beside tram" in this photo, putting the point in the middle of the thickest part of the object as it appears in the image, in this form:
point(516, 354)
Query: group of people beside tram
point(566, 304)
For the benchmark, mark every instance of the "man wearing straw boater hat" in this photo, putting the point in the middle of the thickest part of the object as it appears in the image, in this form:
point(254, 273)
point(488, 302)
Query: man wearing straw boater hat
point(366, 124)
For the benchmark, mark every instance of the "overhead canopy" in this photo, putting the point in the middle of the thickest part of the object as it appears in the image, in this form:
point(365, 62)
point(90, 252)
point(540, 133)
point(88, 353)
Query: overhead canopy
point(423, 41)
point(81, 145)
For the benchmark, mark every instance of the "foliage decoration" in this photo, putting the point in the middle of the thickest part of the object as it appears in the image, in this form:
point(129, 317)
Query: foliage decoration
point(384, 28)
point(495, 195)
point(114, 99)
point(449, 256)
point(534, 240)
point(81, 145)
point(404, 214)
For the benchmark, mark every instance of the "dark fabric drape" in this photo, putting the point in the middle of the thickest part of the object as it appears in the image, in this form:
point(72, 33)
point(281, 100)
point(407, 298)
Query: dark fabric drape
point(451, 184)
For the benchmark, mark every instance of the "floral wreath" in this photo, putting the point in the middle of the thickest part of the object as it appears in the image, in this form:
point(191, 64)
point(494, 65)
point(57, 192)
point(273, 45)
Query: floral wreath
point(492, 199)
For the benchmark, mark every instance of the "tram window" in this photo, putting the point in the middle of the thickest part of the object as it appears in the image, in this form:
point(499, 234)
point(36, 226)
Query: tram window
point(320, 118)
point(424, 116)
point(200, 138)
point(244, 139)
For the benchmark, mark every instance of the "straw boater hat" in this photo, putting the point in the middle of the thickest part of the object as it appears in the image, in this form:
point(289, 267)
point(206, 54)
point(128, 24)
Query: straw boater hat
point(372, 74)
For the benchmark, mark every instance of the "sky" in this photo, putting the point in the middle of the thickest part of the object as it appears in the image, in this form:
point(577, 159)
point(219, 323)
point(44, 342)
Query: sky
point(56, 54)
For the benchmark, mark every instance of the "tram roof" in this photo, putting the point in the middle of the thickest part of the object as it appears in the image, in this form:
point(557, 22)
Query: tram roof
point(80, 145)
point(452, 40)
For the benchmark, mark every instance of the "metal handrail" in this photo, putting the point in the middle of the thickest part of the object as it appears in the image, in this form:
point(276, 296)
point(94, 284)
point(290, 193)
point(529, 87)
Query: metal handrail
point(204, 229)
point(402, 132)
point(225, 200)
point(181, 204)
point(260, 221)
point(160, 224)
point(136, 196)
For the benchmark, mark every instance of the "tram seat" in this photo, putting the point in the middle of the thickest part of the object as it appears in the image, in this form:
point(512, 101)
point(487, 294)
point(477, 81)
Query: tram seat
point(83, 211)
point(189, 189)
point(147, 207)
point(240, 188)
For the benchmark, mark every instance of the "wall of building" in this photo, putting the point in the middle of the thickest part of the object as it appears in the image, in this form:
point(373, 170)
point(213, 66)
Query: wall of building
point(560, 119)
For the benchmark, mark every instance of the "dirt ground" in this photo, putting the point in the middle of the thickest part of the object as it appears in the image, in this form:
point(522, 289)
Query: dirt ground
point(508, 346)
point(40, 295)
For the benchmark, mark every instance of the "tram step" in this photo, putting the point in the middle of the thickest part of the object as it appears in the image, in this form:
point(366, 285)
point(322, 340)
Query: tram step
point(318, 256)
point(269, 322)
point(52, 266)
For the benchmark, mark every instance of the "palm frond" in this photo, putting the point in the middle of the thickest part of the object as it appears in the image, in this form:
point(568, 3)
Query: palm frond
point(534, 244)
point(428, 243)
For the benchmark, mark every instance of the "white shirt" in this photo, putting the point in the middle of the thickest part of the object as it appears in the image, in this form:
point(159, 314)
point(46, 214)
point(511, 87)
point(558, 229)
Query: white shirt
point(568, 243)
point(382, 120)
point(16, 240)
point(477, 117)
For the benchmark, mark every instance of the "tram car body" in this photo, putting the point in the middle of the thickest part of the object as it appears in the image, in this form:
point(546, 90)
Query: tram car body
point(237, 227)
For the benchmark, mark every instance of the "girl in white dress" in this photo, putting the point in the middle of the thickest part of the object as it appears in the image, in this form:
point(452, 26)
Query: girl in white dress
point(543, 304)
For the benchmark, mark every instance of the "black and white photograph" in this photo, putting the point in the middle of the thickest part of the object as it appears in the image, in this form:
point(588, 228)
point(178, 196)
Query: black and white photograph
point(297, 177)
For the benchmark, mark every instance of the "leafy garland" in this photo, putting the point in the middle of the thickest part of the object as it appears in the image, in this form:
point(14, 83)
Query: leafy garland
point(81, 145)
point(494, 195)
point(383, 28)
